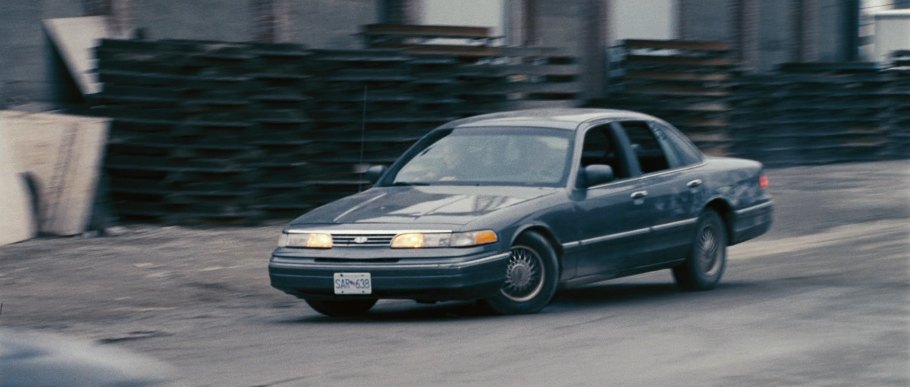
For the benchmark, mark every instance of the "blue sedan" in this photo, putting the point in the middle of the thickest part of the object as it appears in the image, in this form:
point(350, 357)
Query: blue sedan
point(506, 208)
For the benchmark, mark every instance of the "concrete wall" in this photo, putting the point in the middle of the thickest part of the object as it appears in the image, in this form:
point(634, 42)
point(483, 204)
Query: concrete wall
point(625, 19)
point(24, 64)
point(333, 23)
point(198, 19)
point(825, 36)
point(775, 37)
point(707, 20)
point(29, 72)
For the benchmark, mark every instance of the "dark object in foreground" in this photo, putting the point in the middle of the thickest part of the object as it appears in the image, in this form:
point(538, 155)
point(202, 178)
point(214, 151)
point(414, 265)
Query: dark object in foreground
point(42, 359)
point(507, 207)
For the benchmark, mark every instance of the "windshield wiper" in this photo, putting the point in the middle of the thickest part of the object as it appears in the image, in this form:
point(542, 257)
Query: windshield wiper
point(408, 184)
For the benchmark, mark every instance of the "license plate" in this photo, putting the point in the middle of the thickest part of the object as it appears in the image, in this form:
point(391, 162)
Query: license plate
point(353, 283)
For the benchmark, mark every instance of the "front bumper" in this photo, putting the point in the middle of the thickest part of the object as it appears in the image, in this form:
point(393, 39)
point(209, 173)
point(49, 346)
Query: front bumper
point(453, 278)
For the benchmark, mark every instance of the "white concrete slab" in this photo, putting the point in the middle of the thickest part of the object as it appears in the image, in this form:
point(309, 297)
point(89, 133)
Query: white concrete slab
point(63, 153)
point(16, 220)
point(75, 38)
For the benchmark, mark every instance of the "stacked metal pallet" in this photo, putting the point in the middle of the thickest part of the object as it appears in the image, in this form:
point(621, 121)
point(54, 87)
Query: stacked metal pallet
point(685, 82)
point(490, 77)
point(180, 143)
point(812, 113)
point(520, 78)
point(233, 132)
point(898, 92)
point(372, 105)
point(283, 126)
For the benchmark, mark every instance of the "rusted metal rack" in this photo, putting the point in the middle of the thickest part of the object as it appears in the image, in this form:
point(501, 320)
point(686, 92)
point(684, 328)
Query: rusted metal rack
point(685, 82)
point(898, 92)
point(490, 77)
point(462, 42)
point(236, 132)
point(520, 78)
point(373, 104)
point(283, 127)
point(812, 113)
point(179, 148)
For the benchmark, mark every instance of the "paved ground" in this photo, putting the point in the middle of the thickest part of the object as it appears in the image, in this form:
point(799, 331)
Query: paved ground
point(824, 299)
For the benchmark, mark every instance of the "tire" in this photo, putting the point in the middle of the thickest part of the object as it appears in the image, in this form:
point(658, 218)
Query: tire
point(342, 308)
point(707, 258)
point(532, 276)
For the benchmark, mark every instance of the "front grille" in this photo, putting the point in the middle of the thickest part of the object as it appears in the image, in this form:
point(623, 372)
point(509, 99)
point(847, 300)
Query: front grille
point(362, 240)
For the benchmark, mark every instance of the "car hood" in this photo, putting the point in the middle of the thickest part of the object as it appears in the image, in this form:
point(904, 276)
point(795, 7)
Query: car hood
point(440, 205)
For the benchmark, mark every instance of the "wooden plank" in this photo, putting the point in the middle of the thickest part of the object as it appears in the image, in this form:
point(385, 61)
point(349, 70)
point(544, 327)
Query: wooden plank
point(17, 222)
point(672, 60)
point(693, 45)
point(678, 76)
point(447, 49)
point(63, 153)
point(427, 31)
point(679, 91)
point(75, 39)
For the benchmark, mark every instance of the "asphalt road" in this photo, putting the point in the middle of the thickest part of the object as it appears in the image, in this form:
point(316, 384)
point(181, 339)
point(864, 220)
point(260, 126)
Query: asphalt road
point(821, 300)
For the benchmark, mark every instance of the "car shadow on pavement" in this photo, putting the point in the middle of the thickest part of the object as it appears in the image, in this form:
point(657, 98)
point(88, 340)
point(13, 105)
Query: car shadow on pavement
point(398, 311)
point(621, 294)
point(566, 300)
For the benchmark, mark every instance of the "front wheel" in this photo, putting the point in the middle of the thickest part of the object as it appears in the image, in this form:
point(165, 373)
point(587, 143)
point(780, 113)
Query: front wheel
point(341, 308)
point(532, 276)
point(707, 259)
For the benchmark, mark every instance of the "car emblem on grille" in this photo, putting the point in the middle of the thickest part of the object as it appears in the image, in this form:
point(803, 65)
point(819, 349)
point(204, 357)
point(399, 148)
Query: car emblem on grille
point(360, 239)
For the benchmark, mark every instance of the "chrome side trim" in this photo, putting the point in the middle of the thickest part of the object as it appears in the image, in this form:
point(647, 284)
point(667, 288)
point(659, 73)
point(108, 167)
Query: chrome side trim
point(670, 225)
point(571, 245)
point(769, 203)
point(626, 234)
point(362, 232)
point(657, 173)
point(620, 235)
point(295, 264)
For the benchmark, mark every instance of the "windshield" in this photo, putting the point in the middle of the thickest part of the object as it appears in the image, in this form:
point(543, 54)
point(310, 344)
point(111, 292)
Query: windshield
point(500, 156)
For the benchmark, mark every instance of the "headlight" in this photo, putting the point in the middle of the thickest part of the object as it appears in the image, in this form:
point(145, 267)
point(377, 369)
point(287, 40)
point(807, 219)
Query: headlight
point(306, 240)
point(458, 239)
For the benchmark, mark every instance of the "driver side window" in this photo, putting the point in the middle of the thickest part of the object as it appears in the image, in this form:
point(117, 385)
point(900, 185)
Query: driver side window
point(599, 148)
point(646, 147)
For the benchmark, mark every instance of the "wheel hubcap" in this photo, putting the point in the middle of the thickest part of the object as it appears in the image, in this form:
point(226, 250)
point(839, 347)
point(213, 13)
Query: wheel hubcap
point(709, 251)
point(524, 275)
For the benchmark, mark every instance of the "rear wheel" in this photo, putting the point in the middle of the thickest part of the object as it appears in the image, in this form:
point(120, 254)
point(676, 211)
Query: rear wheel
point(532, 275)
point(341, 308)
point(707, 259)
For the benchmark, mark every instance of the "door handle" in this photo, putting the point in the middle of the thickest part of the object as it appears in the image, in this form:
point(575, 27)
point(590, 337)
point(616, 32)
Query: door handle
point(694, 183)
point(639, 195)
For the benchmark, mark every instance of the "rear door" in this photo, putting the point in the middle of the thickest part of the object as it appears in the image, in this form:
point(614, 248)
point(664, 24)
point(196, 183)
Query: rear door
point(665, 198)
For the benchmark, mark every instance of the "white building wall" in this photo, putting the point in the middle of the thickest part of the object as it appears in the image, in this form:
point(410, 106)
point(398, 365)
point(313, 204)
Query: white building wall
point(641, 19)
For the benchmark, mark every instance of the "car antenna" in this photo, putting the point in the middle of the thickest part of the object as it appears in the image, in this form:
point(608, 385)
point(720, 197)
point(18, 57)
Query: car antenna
point(363, 130)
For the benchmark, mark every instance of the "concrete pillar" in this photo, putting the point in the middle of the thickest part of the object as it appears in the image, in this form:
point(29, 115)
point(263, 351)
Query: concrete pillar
point(594, 61)
point(747, 35)
point(400, 11)
point(805, 32)
point(271, 20)
point(121, 15)
point(122, 18)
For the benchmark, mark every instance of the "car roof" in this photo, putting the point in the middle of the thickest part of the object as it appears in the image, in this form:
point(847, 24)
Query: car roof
point(563, 118)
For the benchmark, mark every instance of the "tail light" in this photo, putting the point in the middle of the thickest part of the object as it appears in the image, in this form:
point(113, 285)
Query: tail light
point(763, 181)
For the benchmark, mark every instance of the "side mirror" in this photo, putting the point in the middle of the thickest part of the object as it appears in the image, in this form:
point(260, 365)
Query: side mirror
point(374, 172)
point(597, 174)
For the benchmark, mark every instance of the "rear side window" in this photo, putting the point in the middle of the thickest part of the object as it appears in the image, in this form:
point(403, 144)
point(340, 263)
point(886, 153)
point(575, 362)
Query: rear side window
point(684, 151)
point(647, 149)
